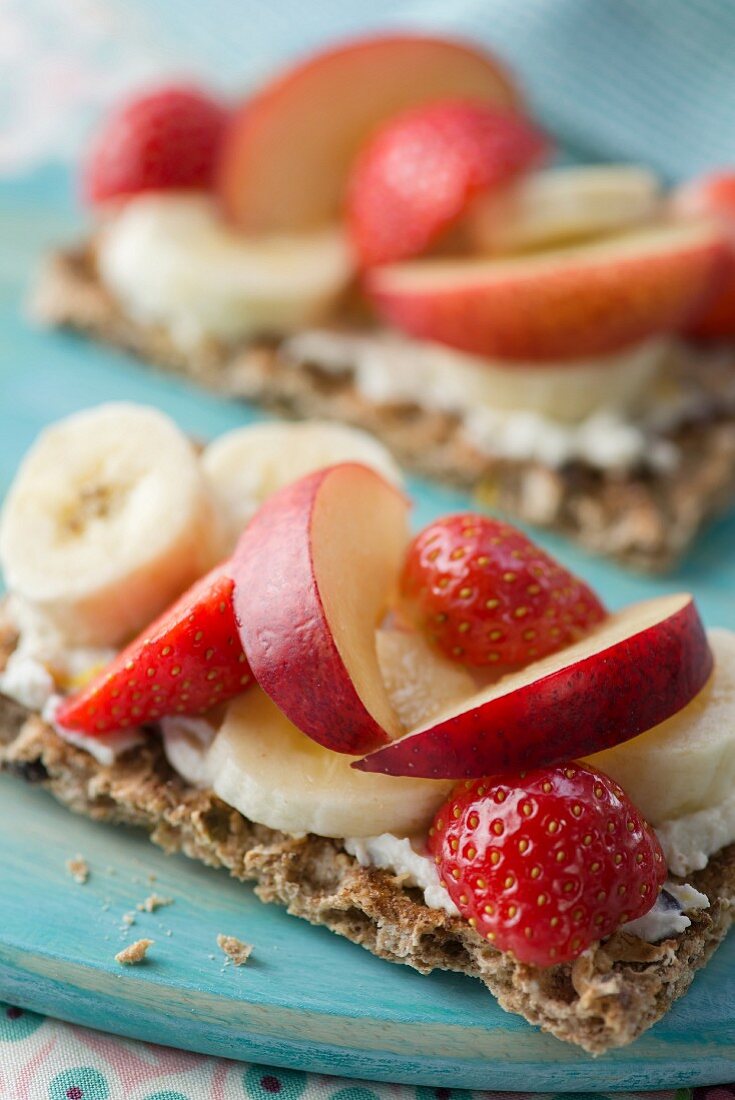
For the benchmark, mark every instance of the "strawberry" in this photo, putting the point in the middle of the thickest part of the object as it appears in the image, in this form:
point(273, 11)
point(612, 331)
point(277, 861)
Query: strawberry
point(419, 172)
point(186, 662)
point(547, 862)
point(486, 595)
point(166, 139)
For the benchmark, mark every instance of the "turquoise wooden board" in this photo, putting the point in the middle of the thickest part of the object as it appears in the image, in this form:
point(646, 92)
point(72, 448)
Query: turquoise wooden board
point(307, 999)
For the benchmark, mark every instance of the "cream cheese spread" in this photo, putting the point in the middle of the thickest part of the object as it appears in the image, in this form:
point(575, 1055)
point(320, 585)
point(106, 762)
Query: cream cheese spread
point(403, 858)
point(690, 840)
point(600, 411)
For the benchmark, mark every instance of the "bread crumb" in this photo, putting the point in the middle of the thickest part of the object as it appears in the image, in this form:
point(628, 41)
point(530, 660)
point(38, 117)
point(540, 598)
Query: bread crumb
point(237, 951)
point(128, 919)
point(133, 953)
point(153, 902)
point(78, 868)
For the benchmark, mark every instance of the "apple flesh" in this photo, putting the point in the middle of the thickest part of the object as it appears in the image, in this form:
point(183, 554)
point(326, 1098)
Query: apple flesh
point(632, 672)
point(589, 299)
point(314, 572)
point(289, 148)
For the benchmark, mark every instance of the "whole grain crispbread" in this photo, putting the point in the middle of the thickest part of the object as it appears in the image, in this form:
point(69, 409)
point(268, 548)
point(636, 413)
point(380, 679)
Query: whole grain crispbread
point(646, 519)
point(606, 999)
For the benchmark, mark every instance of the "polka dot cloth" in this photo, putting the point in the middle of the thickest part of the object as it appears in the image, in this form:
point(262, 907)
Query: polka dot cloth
point(42, 1059)
point(81, 1083)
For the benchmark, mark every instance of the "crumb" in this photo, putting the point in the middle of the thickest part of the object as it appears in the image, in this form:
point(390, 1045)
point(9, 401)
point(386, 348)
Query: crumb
point(78, 868)
point(152, 877)
point(153, 902)
point(169, 932)
point(133, 953)
point(105, 907)
point(237, 951)
point(128, 919)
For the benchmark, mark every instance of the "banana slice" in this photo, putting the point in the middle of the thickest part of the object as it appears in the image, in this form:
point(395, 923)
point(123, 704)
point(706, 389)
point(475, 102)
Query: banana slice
point(686, 764)
point(265, 767)
point(171, 260)
point(108, 519)
point(247, 465)
point(564, 204)
point(419, 680)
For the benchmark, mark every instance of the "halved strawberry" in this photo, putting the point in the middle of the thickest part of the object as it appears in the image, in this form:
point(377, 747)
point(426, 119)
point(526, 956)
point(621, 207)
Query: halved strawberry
point(418, 174)
point(486, 595)
point(186, 662)
point(164, 139)
point(545, 863)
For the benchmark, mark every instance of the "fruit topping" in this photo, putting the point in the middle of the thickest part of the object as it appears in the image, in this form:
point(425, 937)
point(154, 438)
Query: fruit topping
point(246, 466)
point(107, 521)
point(186, 662)
point(634, 670)
point(486, 595)
point(545, 863)
point(685, 765)
point(270, 771)
point(561, 205)
point(418, 174)
point(290, 146)
point(713, 196)
point(167, 139)
point(564, 303)
point(314, 573)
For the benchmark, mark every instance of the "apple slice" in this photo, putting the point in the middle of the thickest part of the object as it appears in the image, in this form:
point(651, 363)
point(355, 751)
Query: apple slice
point(562, 304)
point(635, 670)
point(289, 147)
point(314, 572)
point(712, 196)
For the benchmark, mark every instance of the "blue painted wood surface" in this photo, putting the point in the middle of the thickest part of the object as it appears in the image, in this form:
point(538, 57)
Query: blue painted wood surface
point(306, 999)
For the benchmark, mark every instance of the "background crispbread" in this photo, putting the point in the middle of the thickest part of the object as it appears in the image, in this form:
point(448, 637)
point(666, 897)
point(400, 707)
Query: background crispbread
point(645, 519)
point(605, 999)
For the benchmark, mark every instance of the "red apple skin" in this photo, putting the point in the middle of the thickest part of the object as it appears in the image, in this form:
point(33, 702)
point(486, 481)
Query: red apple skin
point(289, 148)
point(591, 705)
point(713, 196)
point(539, 311)
point(283, 622)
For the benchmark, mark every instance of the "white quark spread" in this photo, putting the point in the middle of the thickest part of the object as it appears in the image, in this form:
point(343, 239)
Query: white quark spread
point(43, 661)
point(403, 858)
point(104, 747)
point(668, 916)
point(690, 840)
point(607, 412)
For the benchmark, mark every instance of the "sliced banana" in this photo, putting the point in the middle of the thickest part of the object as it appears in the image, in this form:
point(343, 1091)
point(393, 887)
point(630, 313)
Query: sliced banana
point(564, 204)
point(247, 465)
point(109, 518)
point(419, 680)
point(686, 764)
point(265, 767)
point(273, 774)
point(172, 260)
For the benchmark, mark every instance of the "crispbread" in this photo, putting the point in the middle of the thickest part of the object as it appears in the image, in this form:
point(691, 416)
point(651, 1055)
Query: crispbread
point(646, 519)
point(605, 999)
